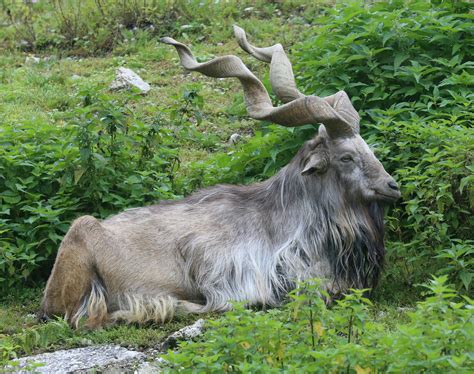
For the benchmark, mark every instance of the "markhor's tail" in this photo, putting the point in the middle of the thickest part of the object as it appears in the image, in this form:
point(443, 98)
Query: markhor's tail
point(94, 306)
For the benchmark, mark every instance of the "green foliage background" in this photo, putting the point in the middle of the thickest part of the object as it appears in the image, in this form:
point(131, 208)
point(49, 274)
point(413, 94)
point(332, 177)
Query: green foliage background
point(408, 67)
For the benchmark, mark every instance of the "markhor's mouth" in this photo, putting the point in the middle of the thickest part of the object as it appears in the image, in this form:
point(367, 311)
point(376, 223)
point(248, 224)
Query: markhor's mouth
point(388, 197)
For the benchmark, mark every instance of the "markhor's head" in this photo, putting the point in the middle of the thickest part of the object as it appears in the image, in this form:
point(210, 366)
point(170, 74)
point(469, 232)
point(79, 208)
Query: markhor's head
point(349, 162)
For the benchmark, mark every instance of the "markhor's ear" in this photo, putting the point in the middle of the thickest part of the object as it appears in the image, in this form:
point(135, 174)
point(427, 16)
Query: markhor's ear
point(316, 163)
point(322, 131)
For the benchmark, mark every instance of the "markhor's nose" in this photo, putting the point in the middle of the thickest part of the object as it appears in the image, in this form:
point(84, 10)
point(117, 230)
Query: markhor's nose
point(393, 185)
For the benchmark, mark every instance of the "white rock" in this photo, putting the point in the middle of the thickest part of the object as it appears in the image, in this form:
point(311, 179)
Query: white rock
point(80, 359)
point(32, 60)
point(150, 367)
point(186, 333)
point(189, 332)
point(126, 78)
point(235, 138)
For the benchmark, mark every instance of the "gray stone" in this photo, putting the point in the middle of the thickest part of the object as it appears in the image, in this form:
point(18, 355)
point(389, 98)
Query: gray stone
point(235, 138)
point(32, 60)
point(82, 360)
point(127, 78)
point(150, 367)
point(186, 333)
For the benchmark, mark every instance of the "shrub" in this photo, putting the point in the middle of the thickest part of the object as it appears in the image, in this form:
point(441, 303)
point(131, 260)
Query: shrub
point(103, 160)
point(307, 336)
point(412, 55)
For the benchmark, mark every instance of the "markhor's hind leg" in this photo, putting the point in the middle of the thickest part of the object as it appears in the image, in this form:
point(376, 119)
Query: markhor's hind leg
point(188, 307)
point(73, 289)
point(161, 309)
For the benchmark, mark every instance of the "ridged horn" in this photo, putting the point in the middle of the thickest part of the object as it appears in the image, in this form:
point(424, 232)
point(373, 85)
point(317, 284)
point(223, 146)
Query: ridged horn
point(281, 71)
point(301, 111)
point(283, 82)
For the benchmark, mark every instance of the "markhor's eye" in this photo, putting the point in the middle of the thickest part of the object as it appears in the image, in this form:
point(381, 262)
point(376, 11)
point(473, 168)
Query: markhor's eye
point(346, 159)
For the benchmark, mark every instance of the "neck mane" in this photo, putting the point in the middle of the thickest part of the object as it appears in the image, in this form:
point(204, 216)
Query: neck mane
point(320, 232)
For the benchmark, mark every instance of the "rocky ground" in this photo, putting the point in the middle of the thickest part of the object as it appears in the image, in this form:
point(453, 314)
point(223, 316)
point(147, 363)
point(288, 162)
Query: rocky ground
point(105, 358)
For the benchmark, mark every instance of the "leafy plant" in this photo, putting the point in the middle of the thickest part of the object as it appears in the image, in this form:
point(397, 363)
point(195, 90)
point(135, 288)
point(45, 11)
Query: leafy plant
point(459, 263)
point(306, 335)
point(104, 160)
point(410, 55)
